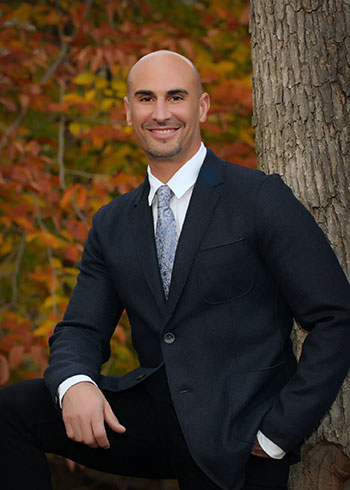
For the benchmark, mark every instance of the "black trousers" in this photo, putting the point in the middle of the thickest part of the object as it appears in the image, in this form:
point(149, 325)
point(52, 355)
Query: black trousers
point(152, 446)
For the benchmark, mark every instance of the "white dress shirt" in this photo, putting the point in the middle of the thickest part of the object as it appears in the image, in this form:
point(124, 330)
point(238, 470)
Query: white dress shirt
point(181, 183)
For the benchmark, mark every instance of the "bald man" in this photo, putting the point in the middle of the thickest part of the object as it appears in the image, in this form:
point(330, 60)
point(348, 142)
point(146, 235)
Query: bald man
point(211, 261)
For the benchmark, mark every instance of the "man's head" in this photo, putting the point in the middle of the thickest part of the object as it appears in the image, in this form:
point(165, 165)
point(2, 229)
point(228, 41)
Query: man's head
point(165, 105)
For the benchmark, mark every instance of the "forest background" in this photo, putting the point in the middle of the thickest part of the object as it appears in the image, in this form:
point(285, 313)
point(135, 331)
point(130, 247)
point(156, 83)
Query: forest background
point(65, 149)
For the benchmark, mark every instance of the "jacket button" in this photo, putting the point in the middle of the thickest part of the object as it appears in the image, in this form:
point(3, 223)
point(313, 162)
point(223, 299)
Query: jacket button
point(185, 390)
point(169, 338)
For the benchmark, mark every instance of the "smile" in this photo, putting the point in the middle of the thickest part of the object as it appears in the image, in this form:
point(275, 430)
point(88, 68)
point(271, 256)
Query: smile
point(163, 131)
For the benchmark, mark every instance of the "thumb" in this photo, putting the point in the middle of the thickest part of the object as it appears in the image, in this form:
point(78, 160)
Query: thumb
point(111, 419)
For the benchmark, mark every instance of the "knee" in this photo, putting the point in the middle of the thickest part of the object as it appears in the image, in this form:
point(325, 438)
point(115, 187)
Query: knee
point(22, 396)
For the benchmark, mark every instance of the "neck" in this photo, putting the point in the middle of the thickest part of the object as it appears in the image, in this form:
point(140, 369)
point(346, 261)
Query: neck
point(164, 169)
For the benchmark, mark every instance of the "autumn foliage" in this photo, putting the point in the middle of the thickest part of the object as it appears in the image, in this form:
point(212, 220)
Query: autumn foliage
point(66, 150)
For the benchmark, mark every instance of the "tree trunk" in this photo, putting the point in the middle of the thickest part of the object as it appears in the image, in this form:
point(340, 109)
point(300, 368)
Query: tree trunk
point(301, 91)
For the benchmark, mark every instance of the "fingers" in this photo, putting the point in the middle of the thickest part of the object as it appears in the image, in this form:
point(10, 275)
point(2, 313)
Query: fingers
point(98, 433)
point(92, 433)
point(83, 411)
point(112, 420)
point(257, 450)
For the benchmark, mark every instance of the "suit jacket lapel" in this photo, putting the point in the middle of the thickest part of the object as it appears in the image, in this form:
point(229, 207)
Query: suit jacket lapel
point(143, 231)
point(205, 196)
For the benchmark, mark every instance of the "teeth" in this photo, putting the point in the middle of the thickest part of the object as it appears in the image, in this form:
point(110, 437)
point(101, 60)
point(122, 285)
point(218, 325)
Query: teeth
point(162, 131)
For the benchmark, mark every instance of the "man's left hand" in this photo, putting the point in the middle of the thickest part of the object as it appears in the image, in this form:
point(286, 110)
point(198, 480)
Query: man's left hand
point(257, 450)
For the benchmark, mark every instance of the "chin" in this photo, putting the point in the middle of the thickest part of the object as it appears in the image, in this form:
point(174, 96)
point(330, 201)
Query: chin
point(164, 152)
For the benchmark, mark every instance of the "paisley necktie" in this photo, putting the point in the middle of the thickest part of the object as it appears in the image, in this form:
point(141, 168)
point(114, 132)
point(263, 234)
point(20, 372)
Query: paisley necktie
point(166, 236)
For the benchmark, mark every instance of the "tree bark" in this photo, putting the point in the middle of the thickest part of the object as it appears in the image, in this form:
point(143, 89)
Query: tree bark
point(301, 98)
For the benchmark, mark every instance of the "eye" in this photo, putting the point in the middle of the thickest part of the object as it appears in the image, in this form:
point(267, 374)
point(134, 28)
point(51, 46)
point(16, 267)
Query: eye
point(145, 98)
point(176, 98)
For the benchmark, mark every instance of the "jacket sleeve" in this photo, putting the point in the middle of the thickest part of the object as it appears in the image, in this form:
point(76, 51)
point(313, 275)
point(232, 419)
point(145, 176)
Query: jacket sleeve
point(317, 291)
point(80, 343)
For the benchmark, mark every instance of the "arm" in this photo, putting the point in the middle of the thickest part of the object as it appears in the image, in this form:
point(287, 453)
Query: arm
point(80, 344)
point(310, 278)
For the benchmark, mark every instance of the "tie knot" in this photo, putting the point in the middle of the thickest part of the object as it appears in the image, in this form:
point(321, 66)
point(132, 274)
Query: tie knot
point(164, 194)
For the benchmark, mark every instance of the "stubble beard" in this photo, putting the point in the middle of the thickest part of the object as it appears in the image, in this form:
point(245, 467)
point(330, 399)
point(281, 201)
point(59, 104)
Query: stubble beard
point(156, 151)
point(163, 153)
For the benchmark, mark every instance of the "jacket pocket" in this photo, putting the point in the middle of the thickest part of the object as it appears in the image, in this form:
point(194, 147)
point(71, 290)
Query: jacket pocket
point(224, 272)
point(252, 394)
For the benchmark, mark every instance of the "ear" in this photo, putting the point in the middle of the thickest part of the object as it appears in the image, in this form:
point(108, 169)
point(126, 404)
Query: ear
point(127, 111)
point(204, 105)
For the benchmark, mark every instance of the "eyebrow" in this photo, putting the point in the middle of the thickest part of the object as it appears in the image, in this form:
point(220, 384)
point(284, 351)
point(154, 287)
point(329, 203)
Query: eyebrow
point(169, 92)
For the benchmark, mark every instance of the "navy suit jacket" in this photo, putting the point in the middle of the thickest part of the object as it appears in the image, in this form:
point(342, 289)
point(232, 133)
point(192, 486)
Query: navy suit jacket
point(249, 259)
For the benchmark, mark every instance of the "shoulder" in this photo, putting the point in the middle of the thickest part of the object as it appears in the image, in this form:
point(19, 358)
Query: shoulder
point(120, 206)
point(233, 173)
point(242, 182)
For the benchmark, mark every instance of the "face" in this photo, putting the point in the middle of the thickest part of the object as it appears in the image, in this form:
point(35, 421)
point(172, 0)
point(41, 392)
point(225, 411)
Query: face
point(165, 107)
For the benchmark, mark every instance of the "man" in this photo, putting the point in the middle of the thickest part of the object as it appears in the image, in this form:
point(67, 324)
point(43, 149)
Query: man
point(211, 261)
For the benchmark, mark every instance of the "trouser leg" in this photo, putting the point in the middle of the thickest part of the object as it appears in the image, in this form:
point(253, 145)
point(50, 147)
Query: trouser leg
point(30, 427)
point(152, 447)
point(266, 474)
point(260, 473)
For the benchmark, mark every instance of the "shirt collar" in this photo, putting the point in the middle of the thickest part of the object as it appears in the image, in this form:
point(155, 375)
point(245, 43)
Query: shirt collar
point(183, 179)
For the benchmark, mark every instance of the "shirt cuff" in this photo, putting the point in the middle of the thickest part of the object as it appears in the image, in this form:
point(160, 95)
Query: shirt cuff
point(270, 447)
point(69, 382)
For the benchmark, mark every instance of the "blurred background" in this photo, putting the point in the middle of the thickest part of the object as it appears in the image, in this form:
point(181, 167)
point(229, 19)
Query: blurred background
point(65, 149)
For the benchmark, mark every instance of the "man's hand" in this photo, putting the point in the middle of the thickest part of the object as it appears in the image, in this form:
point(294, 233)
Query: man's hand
point(85, 411)
point(258, 450)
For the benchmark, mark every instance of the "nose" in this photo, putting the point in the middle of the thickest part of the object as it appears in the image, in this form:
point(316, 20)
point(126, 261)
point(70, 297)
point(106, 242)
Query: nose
point(161, 112)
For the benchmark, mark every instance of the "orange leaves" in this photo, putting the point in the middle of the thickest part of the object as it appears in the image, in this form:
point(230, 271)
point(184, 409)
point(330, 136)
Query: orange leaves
point(67, 197)
point(234, 94)
point(72, 253)
point(46, 238)
point(15, 355)
point(18, 349)
point(4, 370)
point(75, 195)
point(65, 149)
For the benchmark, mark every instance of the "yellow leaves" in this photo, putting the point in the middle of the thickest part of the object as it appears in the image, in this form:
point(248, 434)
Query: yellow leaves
point(46, 238)
point(224, 67)
point(128, 130)
point(6, 247)
point(57, 263)
point(84, 78)
point(23, 12)
point(107, 104)
point(101, 83)
point(48, 303)
point(90, 94)
point(119, 86)
point(24, 223)
point(73, 97)
point(78, 128)
point(247, 136)
point(75, 128)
